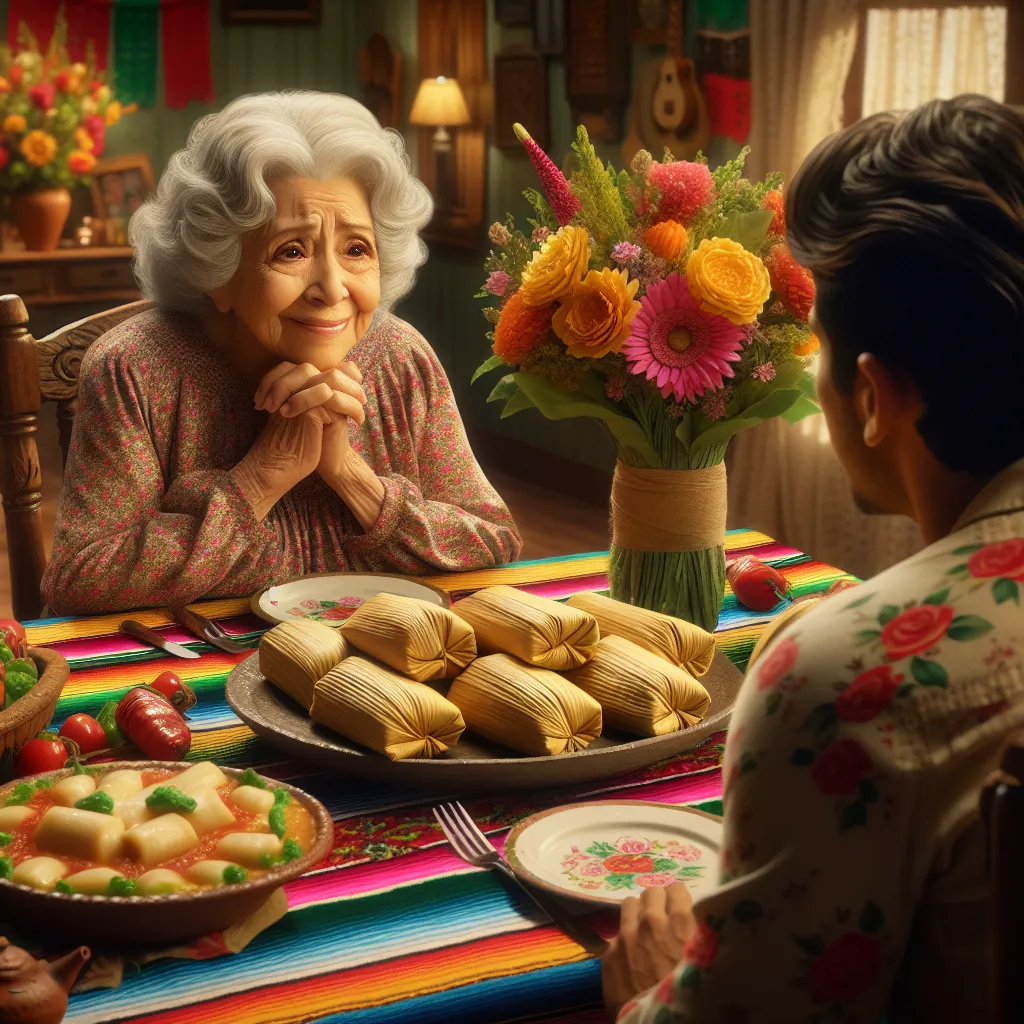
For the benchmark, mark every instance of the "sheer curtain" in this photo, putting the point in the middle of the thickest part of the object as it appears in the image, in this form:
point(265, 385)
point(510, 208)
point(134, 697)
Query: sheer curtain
point(784, 479)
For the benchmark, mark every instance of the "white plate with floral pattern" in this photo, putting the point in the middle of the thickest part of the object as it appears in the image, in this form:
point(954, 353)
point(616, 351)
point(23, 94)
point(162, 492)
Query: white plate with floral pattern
point(331, 598)
point(602, 852)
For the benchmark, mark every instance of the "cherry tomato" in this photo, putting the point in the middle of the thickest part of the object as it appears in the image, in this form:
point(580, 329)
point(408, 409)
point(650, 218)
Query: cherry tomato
point(171, 686)
point(45, 753)
point(13, 634)
point(86, 732)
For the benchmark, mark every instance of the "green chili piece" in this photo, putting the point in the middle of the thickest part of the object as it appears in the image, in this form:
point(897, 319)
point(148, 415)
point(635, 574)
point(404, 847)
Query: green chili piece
point(6, 867)
point(233, 874)
point(121, 886)
point(5, 838)
point(101, 803)
point(44, 784)
point(250, 778)
point(21, 794)
point(170, 798)
point(63, 887)
point(291, 851)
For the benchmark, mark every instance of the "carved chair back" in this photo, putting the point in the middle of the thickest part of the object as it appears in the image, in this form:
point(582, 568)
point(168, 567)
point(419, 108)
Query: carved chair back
point(32, 372)
point(1002, 810)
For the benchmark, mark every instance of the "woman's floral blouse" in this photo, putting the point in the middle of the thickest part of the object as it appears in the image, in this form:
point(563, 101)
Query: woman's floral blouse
point(853, 874)
point(148, 513)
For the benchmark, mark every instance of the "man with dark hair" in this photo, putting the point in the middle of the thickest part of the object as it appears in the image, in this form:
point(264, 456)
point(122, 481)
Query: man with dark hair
point(853, 879)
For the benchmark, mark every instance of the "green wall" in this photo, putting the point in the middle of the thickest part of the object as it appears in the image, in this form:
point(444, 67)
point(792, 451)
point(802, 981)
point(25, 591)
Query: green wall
point(442, 307)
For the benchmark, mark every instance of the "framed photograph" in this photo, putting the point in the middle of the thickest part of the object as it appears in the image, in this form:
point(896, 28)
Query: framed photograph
point(119, 187)
point(270, 12)
point(513, 12)
point(520, 94)
point(549, 27)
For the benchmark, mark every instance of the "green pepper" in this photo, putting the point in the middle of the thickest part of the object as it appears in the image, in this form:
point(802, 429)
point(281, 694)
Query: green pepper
point(6, 867)
point(291, 851)
point(121, 886)
point(99, 802)
point(5, 838)
point(6, 654)
point(276, 815)
point(63, 887)
point(24, 666)
point(107, 718)
point(250, 778)
point(44, 783)
point(21, 794)
point(169, 798)
point(234, 874)
point(16, 685)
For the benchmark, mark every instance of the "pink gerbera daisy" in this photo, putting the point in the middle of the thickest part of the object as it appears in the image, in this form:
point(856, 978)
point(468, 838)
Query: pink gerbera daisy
point(673, 342)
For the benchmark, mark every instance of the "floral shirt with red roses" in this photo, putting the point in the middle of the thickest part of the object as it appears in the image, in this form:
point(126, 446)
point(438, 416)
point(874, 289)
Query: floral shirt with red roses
point(853, 878)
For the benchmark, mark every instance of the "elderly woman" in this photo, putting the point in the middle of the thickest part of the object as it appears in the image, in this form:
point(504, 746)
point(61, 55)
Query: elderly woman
point(269, 418)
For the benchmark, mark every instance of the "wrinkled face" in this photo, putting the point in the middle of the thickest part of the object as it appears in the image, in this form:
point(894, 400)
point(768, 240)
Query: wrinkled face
point(308, 282)
point(864, 466)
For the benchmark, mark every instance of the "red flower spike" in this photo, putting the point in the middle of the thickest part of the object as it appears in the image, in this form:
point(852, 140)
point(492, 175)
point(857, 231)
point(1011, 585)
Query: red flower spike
point(790, 282)
point(756, 585)
point(564, 203)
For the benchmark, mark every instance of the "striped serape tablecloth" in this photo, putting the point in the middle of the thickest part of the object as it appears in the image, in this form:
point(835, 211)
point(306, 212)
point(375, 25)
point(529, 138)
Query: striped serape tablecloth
point(392, 926)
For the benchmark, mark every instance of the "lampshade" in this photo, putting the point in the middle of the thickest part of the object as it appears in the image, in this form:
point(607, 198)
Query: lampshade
point(439, 102)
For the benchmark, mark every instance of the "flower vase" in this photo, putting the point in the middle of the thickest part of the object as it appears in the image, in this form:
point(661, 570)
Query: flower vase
point(40, 217)
point(668, 540)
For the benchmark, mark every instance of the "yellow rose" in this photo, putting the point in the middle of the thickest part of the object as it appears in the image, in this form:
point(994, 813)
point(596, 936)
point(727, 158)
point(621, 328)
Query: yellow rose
point(14, 123)
point(728, 280)
point(594, 320)
point(113, 113)
point(79, 69)
point(88, 106)
point(103, 94)
point(561, 261)
point(83, 140)
point(39, 148)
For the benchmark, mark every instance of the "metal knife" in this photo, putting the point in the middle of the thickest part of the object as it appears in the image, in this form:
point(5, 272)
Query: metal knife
point(206, 630)
point(150, 636)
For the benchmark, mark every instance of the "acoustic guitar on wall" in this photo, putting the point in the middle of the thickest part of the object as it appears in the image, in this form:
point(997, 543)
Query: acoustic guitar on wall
point(669, 104)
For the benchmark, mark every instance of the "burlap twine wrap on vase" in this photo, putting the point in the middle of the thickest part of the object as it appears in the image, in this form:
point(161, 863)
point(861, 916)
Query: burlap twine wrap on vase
point(668, 540)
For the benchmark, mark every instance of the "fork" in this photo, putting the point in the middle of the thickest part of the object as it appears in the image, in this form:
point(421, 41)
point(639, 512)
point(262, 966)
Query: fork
point(206, 629)
point(472, 846)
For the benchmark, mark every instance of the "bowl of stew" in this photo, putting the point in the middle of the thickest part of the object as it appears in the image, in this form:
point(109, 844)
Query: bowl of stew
point(151, 851)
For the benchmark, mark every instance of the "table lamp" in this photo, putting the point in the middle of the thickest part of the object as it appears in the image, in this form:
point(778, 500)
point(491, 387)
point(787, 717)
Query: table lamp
point(439, 104)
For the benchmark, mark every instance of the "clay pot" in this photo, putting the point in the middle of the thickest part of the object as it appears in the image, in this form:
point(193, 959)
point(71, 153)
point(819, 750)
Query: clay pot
point(33, 991)
point(41, 216)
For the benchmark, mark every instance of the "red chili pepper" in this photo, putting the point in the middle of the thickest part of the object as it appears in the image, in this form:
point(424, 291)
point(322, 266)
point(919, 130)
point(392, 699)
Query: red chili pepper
point(756, 585)
point(149, 720)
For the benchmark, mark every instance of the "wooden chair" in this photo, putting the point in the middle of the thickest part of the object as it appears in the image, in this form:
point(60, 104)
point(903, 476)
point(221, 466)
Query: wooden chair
point(1002, 810)
point(32, 372)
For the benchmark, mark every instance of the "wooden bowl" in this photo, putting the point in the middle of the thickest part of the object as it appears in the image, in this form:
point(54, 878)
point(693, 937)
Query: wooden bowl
point(32, 713)
point(119, 920)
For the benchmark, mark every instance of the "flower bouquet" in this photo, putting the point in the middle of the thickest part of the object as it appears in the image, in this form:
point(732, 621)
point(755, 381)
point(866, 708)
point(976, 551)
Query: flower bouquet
point(53, 120)
point(663, 302)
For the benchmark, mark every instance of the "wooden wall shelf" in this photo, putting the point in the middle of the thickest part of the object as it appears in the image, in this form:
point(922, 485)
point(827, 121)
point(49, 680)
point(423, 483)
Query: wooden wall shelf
point(66, 276)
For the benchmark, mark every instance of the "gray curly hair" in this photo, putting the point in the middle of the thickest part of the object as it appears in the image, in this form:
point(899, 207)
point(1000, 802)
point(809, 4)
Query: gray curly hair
point(187, 238)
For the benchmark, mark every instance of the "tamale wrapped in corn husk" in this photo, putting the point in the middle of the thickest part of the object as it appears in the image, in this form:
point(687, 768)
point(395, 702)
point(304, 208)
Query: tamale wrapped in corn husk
point(294, 655)
point(532, 710)
point(676, 640)
point(421, 640)
point(534, 629)
point(380, 709)
point(638, 691)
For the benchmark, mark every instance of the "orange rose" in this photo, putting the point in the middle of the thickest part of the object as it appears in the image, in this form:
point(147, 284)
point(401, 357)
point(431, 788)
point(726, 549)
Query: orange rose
point(81, 161)
point(595, 319)
point(83, 140)
point(39, 148)
point(14, 123)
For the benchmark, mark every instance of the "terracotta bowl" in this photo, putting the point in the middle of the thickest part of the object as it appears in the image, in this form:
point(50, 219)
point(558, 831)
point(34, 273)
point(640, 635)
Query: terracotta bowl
point(156, 919)
point(31, 714)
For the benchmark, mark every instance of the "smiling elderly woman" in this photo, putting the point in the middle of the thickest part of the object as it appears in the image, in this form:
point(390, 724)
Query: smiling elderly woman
point(269, 418)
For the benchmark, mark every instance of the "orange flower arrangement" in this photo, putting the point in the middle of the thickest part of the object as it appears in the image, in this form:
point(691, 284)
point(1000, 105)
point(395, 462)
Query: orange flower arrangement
point(520, 329)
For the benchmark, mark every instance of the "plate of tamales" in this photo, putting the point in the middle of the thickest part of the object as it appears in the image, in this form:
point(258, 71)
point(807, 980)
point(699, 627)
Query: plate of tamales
point(503, 690)
point(332, 597)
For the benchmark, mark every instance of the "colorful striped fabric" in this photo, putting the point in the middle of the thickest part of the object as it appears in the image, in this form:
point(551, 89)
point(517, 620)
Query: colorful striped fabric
point(391, 927)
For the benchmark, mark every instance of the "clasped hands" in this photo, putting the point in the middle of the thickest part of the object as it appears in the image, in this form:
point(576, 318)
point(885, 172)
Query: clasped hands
point(307, 431)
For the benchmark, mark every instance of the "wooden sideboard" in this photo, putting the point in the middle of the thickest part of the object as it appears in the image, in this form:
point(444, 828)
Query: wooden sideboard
point(66, 276)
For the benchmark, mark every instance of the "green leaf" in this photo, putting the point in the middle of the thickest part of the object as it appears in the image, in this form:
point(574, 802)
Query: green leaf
point(859, 603)
point(620, 881)
point(800, 410)
point(872, 917)
point(868, 791)
point(748, 910)
point(1006, 590)
point(887, 613)
point(749, 229)
point(865, 636)
point(968, 549)
point(486, 366)
point(773, 404)
point(957, 570)
point(967, 627)
point(517, 403)
point(823, 716)
point(601, 849)
point(939, 597)
point(504, 389)
point(802, 757)
point(812, 945)
point(928, 673)
point(556, 404)
point(664, 864)
point(854, 816)
point(684, 432)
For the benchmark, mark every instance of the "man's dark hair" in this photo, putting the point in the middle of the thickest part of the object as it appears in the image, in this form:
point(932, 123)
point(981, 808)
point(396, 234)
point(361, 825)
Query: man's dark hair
point(913, 227)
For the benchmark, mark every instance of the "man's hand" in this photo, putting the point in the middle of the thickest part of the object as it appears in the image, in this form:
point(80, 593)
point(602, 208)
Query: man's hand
point(652, 933)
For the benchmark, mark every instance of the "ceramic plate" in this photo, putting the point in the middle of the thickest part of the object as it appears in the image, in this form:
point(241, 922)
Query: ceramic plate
point(604, 852)
point(332, 597)
point(473, 764)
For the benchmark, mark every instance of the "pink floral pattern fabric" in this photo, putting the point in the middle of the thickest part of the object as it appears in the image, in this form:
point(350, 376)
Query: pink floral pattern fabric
point(148, 513)
point(853, 880)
